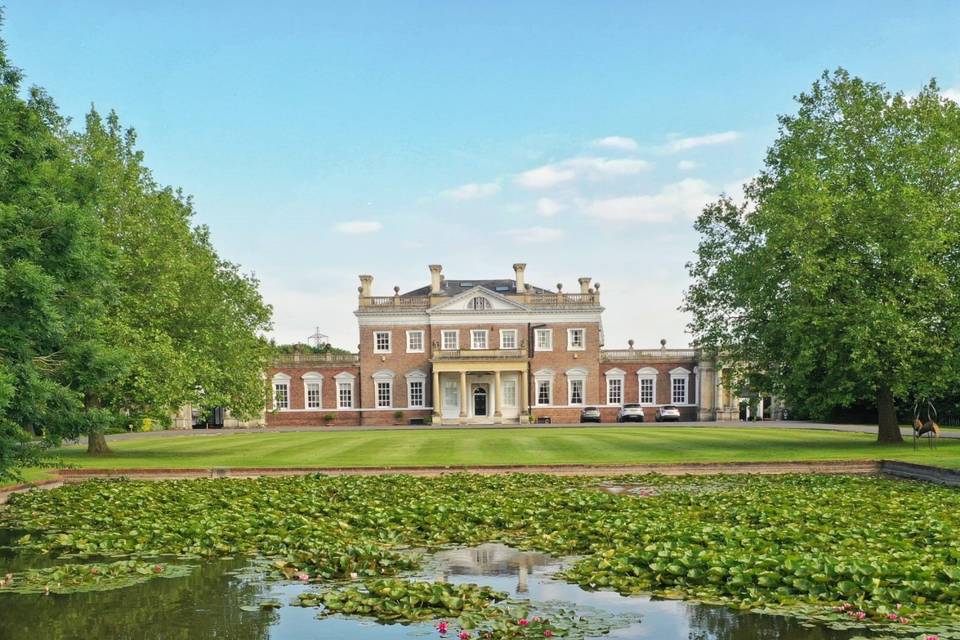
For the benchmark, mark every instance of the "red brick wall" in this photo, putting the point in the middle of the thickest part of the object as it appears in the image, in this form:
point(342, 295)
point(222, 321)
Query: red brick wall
point(398, 361)
point(328, 398)
point(560, 360)
point(631, 386)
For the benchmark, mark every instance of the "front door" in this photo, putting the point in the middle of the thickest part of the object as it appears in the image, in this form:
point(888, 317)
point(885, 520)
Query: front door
point(480, 401)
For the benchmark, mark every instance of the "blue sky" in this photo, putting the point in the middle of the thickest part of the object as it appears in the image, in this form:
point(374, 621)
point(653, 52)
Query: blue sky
point(321, 141)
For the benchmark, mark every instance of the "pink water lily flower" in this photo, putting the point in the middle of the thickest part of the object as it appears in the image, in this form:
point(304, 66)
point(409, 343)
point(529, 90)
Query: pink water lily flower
point(442, 626)
point(547, 633)
point(523, 622)
point(463, 635)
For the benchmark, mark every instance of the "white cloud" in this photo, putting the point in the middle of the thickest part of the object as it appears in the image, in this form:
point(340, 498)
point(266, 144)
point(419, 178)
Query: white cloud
point(548, 207)
point(952, 94)
point(679, 199)
point(685, 144)
point(617, 143)
point(587, 167)
point(687, 165)
point(533, 235)
point(359, 226)
point(546, 176)
point(472, 191)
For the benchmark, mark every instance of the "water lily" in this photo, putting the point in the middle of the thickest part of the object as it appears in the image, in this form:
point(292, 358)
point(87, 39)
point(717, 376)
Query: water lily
point(523, 622)
point(547, 633)
point(303, 576)
point(463, 635)
point(442, 626)
point(535, 618)
point(932, 638)
point(892, 616)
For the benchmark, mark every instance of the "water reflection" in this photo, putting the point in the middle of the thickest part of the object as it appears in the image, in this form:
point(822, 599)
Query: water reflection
point(207, 604)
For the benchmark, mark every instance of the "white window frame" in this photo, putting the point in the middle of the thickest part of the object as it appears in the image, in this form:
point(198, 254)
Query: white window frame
point(509, 332)
point(423, 341)
point(475, 333)
point(541, 376)
point(549, 339)
point(680, 375)
point(376, 342)
point(384, 376)
point(421, 378)
point(281, 380)
point(310, 378)
point(618, 375)
point(576, 375)
point(345, 380)
point(583, 339)
point(456, 339)
point(514, 385)
point(650, 374)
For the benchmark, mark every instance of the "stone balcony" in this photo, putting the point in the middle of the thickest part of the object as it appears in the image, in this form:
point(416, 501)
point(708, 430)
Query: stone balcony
point(479, 354)
point(667, 355)
point(317, 359)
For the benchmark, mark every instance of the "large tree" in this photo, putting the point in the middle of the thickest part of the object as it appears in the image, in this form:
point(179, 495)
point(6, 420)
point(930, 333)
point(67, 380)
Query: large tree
point(191, 323)
point(114, 305)
point(53, 275)
point(837, 279)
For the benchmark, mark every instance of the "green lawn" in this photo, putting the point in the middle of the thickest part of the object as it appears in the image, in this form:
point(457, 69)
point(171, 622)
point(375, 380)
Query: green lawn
point(589, 445)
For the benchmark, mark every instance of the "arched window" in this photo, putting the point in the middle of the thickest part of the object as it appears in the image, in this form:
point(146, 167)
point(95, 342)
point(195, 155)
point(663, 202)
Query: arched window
point(479, 303)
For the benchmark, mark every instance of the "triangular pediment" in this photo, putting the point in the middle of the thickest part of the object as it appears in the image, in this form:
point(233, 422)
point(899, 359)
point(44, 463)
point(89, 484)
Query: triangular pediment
point(478, 300)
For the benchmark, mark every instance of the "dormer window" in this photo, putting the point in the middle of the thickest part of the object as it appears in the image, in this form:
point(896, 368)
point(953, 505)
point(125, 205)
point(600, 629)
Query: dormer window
point(479, 303)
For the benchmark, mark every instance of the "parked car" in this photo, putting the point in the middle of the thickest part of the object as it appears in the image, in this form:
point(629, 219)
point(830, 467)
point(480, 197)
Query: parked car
point(668, 414)
point(630, 413)
point(590, 414)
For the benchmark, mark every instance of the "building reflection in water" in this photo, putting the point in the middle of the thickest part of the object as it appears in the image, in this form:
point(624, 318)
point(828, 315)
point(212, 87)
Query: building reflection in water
point(493, 559)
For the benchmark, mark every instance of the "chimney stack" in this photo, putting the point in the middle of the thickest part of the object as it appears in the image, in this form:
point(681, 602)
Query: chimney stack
point(366, 286)
point(584, 285)
point(435, 278)
point(518, 270)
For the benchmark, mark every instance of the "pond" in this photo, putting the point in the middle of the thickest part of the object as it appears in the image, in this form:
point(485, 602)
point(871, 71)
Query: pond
point(207, 604)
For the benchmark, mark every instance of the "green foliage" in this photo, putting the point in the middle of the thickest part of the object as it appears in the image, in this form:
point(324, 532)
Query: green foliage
point(309, 348)
point(114, 307)
point(73, 578)
point(800, 543)
point(838, 279)
point(393, 600)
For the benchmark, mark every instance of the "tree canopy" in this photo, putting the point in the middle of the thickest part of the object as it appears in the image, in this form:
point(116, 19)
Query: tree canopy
point(114, 305)
point(836, 279)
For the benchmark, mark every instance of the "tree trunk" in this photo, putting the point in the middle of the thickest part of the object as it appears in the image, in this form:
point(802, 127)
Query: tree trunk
point(889, 431)
point(97, 443)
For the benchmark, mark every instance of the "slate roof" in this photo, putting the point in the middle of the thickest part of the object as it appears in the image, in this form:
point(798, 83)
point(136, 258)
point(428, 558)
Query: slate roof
point(455, 287)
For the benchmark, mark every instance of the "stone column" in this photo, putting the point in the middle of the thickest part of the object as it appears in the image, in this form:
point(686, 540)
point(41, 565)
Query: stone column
point(524, 391)
point(463, 394)
point(708, 388)
point(435, 395)
point(498, 404)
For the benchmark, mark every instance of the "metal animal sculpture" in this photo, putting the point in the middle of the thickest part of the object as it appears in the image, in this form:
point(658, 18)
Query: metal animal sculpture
point(930, 428)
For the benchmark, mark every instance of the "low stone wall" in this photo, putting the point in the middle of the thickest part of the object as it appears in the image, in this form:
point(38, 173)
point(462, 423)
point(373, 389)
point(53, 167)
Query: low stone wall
point(922, 472)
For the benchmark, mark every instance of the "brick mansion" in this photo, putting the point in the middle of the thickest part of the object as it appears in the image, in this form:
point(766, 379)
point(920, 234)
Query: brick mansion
point(488, 351)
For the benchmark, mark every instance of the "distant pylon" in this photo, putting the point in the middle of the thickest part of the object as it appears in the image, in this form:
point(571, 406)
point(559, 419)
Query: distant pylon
point(318, 339)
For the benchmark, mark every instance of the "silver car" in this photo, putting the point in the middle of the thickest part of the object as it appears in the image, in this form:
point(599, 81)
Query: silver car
point(630, 413)
point(668, 413)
